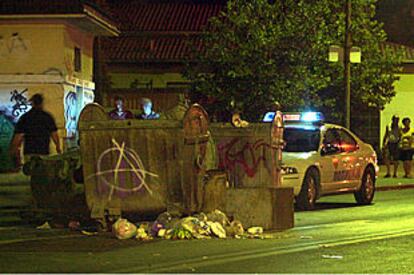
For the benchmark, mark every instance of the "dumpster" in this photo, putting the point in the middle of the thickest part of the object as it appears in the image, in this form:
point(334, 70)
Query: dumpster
point(144, 166)
point(251, 156)
point(53, 189)
point(7, 163)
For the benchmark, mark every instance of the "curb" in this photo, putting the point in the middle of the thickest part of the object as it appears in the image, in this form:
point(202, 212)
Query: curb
point(395, 187)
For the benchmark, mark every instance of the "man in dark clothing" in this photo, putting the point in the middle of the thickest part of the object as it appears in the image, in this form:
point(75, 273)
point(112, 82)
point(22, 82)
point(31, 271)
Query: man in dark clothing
point(35, 128)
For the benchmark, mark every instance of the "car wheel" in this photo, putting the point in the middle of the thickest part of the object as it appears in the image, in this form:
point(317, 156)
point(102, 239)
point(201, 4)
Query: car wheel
point(365, 194)
point(309, 192)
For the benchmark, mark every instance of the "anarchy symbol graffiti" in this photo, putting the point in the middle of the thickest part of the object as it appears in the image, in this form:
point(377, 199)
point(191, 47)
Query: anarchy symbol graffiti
point(127, 162)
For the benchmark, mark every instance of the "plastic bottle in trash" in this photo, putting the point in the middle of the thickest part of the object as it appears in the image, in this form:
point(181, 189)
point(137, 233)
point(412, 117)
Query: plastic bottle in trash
point(256, 230)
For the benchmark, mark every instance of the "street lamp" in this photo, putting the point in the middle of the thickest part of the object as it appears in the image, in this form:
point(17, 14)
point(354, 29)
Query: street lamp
point(347, 55)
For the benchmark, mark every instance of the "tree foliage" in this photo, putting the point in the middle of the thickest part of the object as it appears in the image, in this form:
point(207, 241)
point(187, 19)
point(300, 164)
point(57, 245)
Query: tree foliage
point(257, 52)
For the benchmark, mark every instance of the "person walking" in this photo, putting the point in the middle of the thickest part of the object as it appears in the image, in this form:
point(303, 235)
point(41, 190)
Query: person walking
point(390, 145)
point(35, 128)
point(406, 146)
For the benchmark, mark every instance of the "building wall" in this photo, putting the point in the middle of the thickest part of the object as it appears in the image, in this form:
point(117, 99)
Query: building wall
point(402, 104)
point(145, 80)
point(77, 38)
point(31, 48)
point(14, 99)
point(37, 57)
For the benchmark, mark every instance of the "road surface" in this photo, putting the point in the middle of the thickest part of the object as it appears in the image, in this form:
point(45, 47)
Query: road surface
point(339, 237)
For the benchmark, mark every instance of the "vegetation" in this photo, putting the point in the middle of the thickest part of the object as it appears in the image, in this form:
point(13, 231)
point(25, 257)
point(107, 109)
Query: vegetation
point(258, 52)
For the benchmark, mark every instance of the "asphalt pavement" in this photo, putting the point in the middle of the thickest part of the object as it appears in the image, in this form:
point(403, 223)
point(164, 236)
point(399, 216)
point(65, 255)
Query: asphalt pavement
point(338, 237)
point(15, 194)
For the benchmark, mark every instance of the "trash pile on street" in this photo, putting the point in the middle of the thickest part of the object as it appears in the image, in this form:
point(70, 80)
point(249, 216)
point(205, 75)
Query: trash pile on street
point(200, 226)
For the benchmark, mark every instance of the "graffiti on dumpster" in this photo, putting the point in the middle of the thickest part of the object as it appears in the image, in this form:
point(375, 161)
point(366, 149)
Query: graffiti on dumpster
point(248, 155)
point(128, 163)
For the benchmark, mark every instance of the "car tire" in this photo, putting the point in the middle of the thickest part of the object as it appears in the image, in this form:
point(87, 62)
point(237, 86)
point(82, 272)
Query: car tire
point(366, 192)
point(309, 192)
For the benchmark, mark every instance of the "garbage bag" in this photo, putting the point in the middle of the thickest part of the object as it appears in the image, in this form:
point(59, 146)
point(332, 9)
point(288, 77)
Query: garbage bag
point(123, 229)
point(218, 216)
point(191, 224)
point(235, 229)
point(256, 230)
point(145, 225)
point(181, 233)
point(201, 217)
point(155, 228)
point(142, 234)
point(165, 219)
point(217, 229)
point(162, 233)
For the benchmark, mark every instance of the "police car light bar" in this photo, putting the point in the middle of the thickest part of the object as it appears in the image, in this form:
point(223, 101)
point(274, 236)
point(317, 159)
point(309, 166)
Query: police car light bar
point(269, 116)
point(311, 117)
point(296, 117)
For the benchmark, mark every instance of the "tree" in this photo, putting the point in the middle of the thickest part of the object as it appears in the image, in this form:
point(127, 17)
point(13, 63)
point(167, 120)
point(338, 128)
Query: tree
point(256, 52)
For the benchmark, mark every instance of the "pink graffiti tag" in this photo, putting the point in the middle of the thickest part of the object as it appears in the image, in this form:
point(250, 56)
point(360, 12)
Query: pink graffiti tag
point(248, 157)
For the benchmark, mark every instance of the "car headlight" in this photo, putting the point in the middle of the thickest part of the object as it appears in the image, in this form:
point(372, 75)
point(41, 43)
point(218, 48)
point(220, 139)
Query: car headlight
point(289, 170)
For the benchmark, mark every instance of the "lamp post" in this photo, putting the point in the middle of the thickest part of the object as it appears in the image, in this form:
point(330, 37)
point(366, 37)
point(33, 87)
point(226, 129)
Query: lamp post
point(347, 55)
point(347, 64)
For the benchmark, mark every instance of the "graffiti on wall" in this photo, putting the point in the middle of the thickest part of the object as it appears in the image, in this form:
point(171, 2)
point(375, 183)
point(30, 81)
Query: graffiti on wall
point(74, 102)
point(71, 113)
point(20, 102)
point(237, 153)
point(88, 97)
point(14, 104)
point(127, 174)
point(12, 44)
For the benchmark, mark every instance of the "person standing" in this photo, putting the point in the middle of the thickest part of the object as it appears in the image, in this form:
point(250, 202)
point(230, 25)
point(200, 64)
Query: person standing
point(35, 128)
point(406, 145)
point(390, 145)
point(147, 112)
point(120, 113)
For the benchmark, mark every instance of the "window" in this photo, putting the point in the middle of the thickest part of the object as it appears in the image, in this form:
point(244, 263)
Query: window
point(331, 142)
point(348, 143)
point(301, 140)
point(331, 137)
point(78, 60)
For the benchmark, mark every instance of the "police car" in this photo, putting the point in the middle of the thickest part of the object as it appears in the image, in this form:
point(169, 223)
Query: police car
point(321, 159)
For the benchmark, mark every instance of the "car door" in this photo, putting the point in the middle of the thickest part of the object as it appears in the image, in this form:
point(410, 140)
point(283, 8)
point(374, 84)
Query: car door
point(350, 159)
point(330, 160)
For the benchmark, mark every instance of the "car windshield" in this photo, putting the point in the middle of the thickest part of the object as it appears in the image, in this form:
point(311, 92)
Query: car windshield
point(301, 139)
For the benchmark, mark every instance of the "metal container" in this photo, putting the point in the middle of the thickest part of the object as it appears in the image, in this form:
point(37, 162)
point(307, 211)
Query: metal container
point(51, 183)
point(252, 155)
point(143, 166)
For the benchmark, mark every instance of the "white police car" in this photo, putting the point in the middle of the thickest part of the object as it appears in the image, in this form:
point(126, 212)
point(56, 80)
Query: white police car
point(321, 159)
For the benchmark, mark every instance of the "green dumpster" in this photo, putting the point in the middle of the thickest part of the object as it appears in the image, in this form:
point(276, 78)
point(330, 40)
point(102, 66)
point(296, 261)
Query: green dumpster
point(52, 185)
point(6, 135)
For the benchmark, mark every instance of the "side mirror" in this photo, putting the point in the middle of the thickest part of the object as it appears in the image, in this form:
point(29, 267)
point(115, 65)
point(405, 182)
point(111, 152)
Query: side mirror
point(330, 149)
